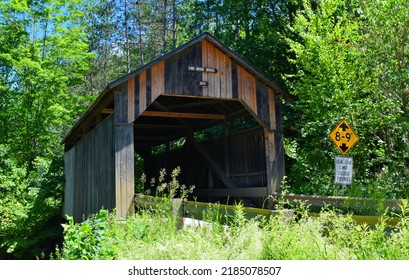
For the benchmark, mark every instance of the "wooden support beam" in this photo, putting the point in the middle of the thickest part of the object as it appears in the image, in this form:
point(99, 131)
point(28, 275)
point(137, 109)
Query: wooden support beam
point(180, 115)
point(124, 152)
point(249, 174)
point(270, 156)
point(107, 111)
point(219, 172)
point(160, 126)
point(226, 145)
point(237, 192)
point(153, 138)
point(200, 103)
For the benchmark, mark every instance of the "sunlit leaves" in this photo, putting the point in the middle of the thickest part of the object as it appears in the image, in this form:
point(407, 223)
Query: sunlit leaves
point(43, 54)
point(352, 61)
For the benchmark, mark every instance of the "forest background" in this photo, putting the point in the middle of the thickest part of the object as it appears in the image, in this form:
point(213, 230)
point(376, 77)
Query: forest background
point(339, 59)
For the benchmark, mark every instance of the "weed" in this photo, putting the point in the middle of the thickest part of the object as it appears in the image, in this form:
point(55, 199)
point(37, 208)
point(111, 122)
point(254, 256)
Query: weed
point(88, 240)
point(154, 234)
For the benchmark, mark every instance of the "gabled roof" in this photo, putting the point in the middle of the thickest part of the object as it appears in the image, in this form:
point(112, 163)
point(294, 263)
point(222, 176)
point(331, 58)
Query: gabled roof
point(107, 93)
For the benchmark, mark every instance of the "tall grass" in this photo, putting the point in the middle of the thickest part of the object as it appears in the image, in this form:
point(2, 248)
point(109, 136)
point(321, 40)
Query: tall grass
point(156, 234)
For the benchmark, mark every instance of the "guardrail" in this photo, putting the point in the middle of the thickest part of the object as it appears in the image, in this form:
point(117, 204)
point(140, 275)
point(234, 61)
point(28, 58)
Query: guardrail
point(341, 201)
point(357, 203)
point(195, 210)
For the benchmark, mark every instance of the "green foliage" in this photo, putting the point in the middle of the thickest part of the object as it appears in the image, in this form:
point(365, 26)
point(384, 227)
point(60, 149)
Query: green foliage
point(88, 241)
point(43, 55)
point(157, 234)
point(344, 71)
point(29, 207)
point(171, 189)
point(150, 235)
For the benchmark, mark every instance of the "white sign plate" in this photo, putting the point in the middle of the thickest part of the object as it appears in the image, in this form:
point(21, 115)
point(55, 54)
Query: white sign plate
point(343, 170)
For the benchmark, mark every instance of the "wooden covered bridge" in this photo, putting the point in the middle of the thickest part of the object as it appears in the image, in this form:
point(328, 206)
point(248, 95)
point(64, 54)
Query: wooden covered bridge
point(200, 107)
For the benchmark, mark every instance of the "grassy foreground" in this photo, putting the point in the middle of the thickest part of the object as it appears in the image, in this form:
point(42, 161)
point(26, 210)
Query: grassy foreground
point(157, 235)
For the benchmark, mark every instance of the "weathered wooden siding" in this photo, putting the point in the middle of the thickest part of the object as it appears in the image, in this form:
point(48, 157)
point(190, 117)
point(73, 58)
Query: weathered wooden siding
point(89, 173)
point(263, 103)
point(142, 92)
point(247, 88)
point(220, 83)
point(247, 158)
point(158, 79)
point(178, 80)
point(231, 81)
point(69, 189)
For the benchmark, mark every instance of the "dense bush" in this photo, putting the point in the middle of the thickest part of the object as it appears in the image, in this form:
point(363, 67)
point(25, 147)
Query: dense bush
point(30, 205)
point(352, 62)
point(148, 235)
point(87, 241)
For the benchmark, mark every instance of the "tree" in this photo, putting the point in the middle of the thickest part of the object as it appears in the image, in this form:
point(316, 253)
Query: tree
point(43, 54)
point(125, 34)
point(254, 29)
point(344, 72)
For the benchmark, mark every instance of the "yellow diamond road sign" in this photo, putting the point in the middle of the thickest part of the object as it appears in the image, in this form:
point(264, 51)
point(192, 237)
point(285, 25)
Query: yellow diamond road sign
point(343, 137)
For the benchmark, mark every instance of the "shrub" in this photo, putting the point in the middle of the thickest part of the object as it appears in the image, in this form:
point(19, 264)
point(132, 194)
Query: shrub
point(89, 240)
point(30, 202)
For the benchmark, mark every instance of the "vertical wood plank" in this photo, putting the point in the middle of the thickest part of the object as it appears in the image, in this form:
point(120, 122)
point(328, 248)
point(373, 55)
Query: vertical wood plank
point(226, 147)
point(247, 88)
point(252, 91)
point(214, 79)
point(211, 62)
point(169, 75)
point(131, 99)
point(240, 81)
point(270, 155)
point(262, 98)
point(227, 76)
point(137, 97)
point(279, 163)
point(158, 76)
point(221, 66)
point(234, 81)
point(78, 192)
point(272, 109)
point(69, 172)
point(178, 80)
point(142, 92)
point(205, 55)
point(148, 87)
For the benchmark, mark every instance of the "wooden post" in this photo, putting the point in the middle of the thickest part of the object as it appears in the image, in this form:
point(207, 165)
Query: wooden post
point(273, 139)
point(226, 148)
point(270, 155)
point(124, 169)
point(124, 150)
